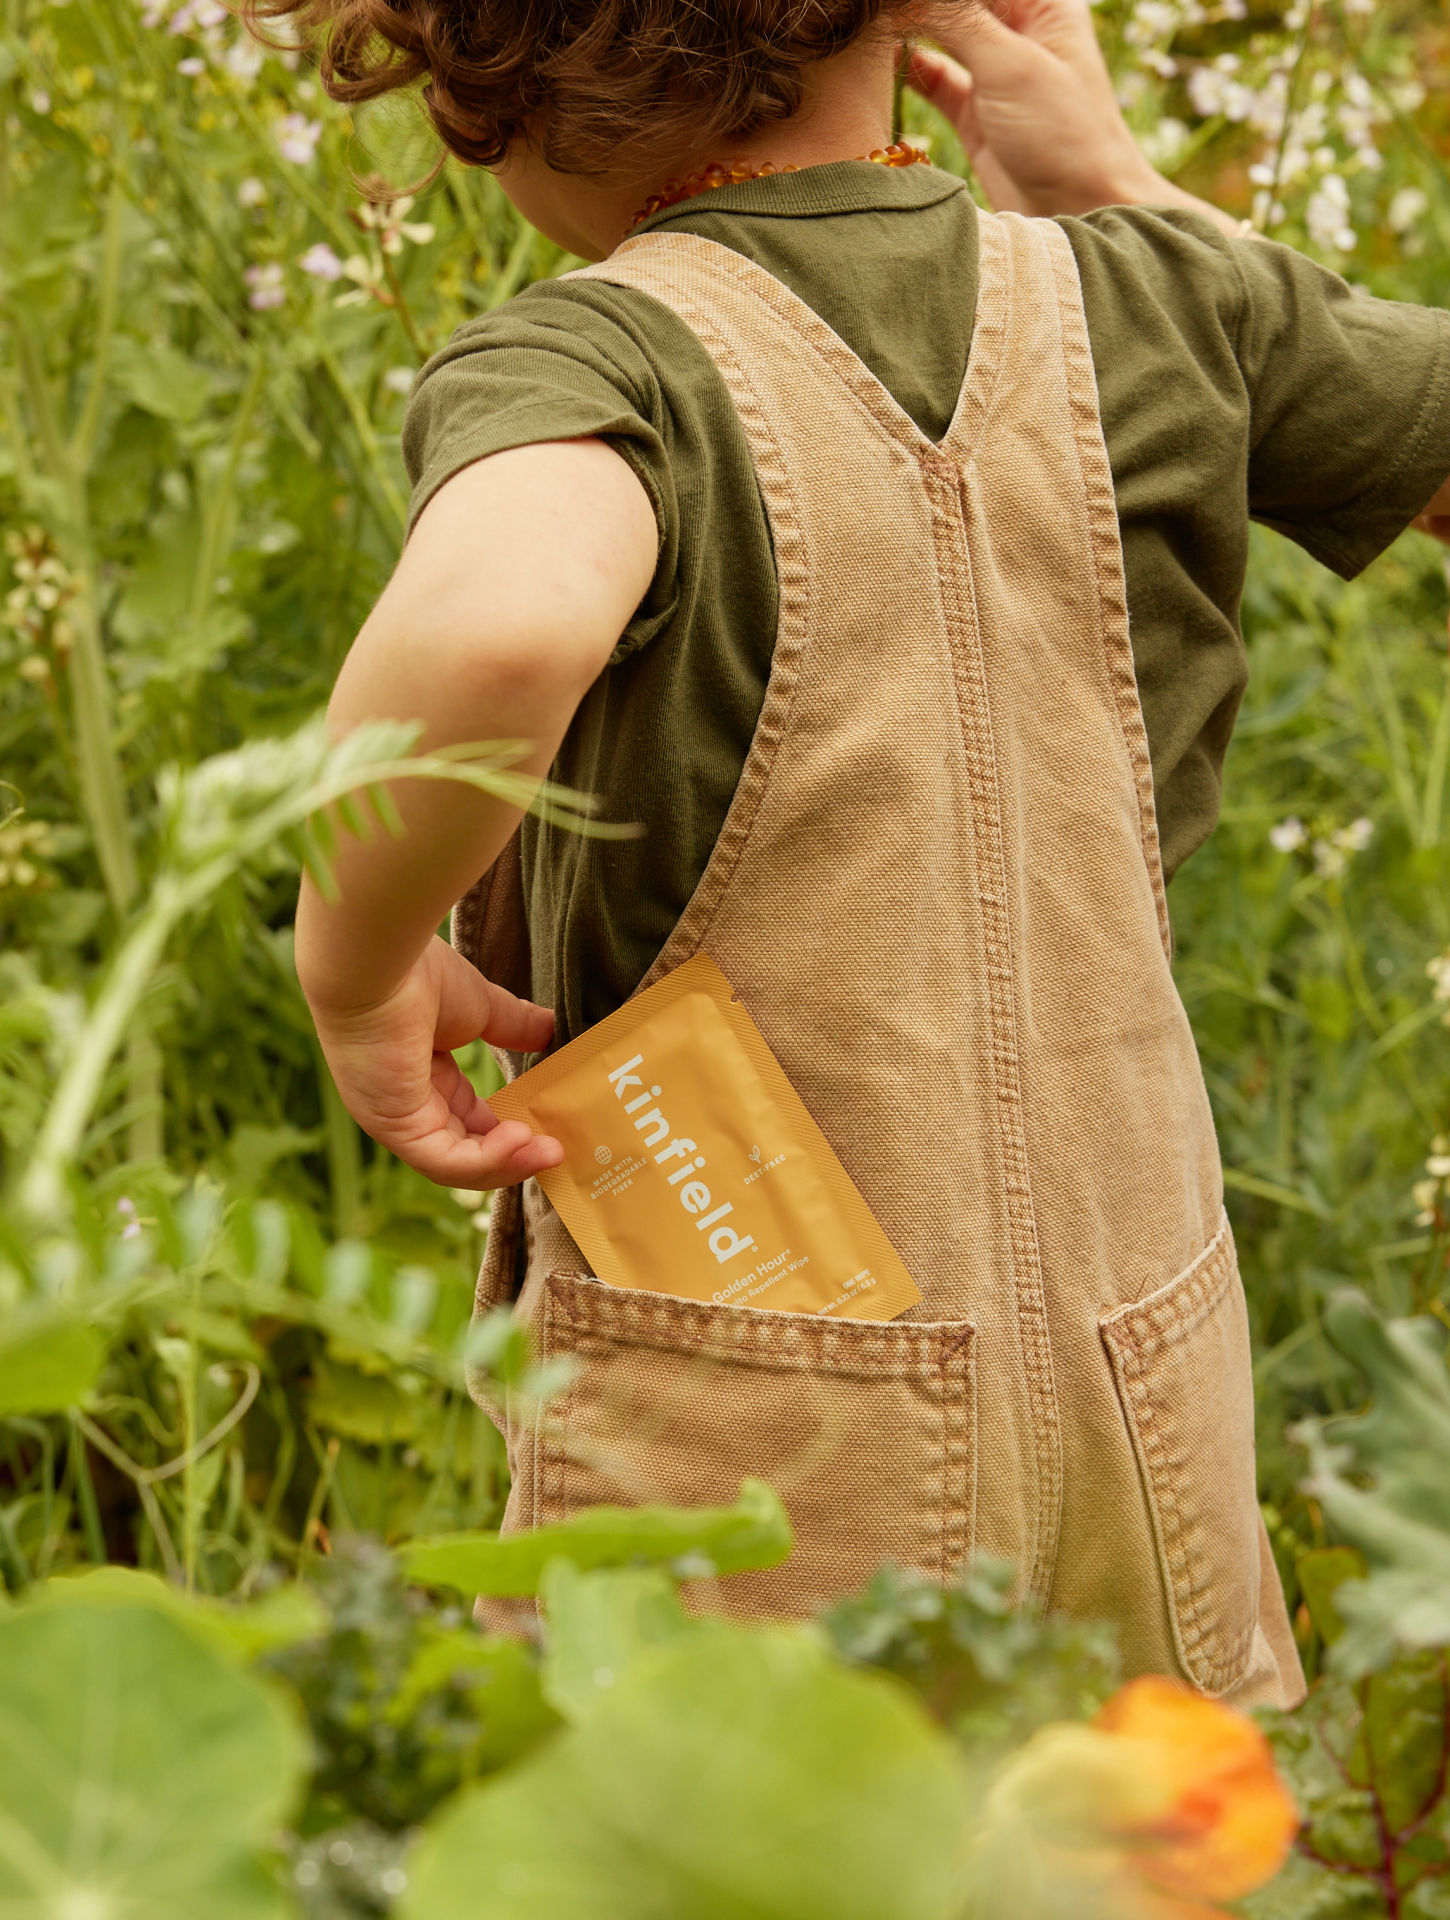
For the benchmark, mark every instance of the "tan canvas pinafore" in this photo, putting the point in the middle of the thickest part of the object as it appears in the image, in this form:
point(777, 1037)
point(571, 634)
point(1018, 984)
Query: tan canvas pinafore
point(938, 892)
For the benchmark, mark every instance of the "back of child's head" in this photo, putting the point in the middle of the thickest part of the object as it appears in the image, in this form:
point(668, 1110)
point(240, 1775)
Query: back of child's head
point(592, 85)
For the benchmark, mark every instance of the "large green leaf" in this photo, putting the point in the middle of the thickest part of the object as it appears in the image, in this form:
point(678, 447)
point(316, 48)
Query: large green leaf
point(138, 1771)
point(48, 1365)
point(1402, 1523)
point(1367, 1766)
point(278, 1619)
point(696, 1542)
point(600, 1625)
point(729, 1776)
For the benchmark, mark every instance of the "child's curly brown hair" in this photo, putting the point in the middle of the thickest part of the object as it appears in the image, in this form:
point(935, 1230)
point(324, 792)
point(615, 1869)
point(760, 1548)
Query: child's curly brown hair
point(587, 82)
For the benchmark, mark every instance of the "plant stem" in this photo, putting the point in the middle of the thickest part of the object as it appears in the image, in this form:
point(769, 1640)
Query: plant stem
point(99, 773)
point(83, 439)
point(86, 1492)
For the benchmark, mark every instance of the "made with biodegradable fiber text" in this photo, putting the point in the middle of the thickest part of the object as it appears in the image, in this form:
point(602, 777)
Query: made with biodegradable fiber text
point(694, 1197)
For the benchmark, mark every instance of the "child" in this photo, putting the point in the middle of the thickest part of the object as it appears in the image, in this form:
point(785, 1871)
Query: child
point(806, 530)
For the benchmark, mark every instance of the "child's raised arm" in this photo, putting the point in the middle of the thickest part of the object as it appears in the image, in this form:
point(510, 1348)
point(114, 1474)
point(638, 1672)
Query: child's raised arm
point(1435, 520)
point(518, 581)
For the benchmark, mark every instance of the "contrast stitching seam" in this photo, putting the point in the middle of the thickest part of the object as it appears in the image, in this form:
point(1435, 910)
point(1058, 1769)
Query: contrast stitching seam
point(958, 1371)
point(1135, 1336)
point(1107, 554)
point(794, 620)
point(778, 1341)
point(943, 481)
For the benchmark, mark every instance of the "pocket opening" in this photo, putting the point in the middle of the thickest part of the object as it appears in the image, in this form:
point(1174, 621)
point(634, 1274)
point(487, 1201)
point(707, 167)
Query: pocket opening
point(1182, 1366)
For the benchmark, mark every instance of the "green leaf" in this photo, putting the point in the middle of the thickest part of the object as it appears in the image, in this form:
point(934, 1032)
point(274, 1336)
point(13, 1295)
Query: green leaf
point(1402, 1523)
point(992, 1670)
point(696, 1542)
point(160, 379)
point(1308, 1891)
point(1402, 1745)
point(48, 1366)
point(600, 1624)
point(367, 1407)
point(1321, 1574)
point(278, 1619)
point(138, 1771)
point(1367, 1765)
point(733, 1776)
point(501, 1678)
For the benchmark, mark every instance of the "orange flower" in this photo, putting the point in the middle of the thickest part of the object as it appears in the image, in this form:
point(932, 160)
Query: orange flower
point(1165, 1802)
point(1226, 1820)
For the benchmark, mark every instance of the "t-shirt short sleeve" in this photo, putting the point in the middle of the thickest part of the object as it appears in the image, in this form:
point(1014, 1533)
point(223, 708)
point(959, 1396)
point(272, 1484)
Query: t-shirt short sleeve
point(1237, 379)
point(556, 363)
point(1350, 406)
point(1343, 400)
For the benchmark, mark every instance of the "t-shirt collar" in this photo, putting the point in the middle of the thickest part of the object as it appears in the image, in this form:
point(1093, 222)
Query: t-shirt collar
point(840, 186)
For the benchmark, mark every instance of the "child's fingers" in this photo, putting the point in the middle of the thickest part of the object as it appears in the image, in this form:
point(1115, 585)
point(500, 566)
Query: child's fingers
point(516, 1023)
point(505, 1155)
point(948, 86)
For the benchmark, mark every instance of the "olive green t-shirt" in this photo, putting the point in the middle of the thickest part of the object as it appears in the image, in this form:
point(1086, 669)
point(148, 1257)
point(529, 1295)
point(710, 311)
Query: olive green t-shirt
point(1236, 380)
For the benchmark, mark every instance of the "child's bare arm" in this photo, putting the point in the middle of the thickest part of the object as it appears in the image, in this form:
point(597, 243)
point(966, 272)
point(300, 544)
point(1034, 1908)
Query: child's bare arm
point(1435, 520)
point(521, 574)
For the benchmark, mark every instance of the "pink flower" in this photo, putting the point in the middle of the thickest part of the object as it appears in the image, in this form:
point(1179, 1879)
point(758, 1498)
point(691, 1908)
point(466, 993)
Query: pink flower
point(321, 262)
point(266, 284)
point(297, 137)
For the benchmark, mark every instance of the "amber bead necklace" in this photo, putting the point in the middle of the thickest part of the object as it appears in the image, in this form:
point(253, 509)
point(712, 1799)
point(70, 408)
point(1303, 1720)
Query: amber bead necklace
point(729, 173)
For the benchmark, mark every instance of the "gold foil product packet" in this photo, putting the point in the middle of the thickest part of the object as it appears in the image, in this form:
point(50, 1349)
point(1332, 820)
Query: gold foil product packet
point(691, 1166)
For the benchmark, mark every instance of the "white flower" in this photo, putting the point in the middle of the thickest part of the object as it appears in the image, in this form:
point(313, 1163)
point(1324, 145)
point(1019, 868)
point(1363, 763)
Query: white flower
point(1327, 215)
point(1439, 971)
point(1165, 142)
point(1329, 861)
point(40, 101)
point(1355, 837)
point(321, 262)
point(388, 219)
point(1438, 1166)
point(195, 16)
point(1288, 835)
point(1407, 206)
point(297, 138)
point(243, 58)
point(266, 284)
point(192, 67)
point(251, 193)
point(400, 379)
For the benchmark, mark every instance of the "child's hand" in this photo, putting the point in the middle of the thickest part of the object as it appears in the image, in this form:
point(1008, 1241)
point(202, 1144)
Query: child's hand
point(394, 1067)
point(1029, 95)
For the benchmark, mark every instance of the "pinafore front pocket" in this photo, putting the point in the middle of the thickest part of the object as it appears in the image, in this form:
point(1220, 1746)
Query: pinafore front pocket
point(1181, 1361)
point(867, 1429)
